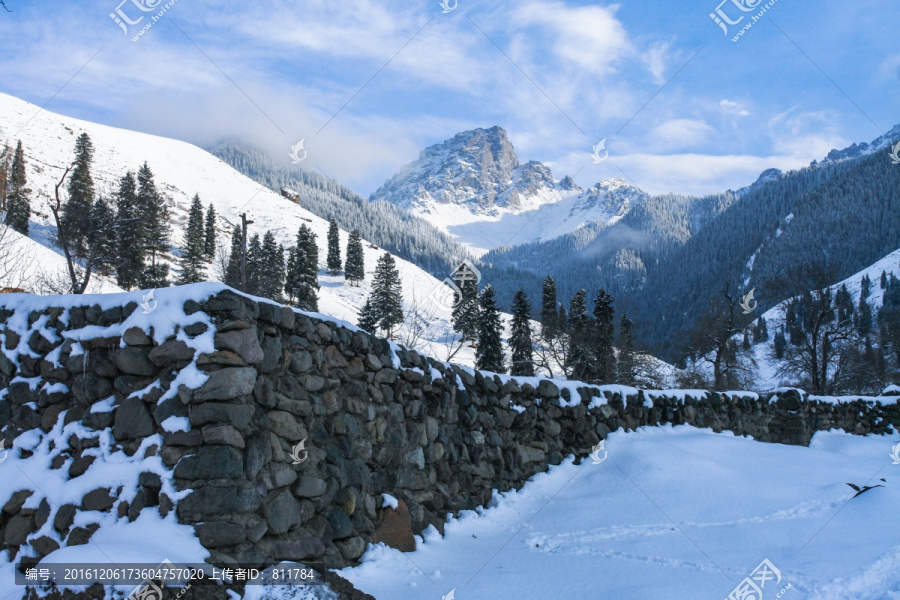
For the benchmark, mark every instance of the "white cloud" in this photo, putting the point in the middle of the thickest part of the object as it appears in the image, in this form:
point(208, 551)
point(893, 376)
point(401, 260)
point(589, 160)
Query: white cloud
point(731, 107)
point(678, 134)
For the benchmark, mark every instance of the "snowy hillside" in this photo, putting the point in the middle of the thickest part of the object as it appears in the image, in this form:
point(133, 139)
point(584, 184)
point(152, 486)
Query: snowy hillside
point(890, 264)
point(473, 187)
point(676, 513)
point(182, 170)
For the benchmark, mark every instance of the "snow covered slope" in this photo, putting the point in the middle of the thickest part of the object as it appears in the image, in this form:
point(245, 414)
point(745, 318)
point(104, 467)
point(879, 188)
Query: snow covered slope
point(676, 513)
point(473, 187)
point(182, 170)
point(768, 379)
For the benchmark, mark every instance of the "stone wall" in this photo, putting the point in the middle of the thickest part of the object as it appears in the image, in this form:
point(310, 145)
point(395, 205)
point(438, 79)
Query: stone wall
point(253, 379)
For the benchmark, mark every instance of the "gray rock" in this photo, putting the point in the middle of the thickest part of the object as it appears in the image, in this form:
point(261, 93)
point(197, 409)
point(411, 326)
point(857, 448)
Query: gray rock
point(171, 352)
point(352, 548)
point(272, 351)
point(263, 393)
point(257, 454)
point(99, 499)
point(341, 527)
point(310, 487)
point(547, 389)
point(285, 425)
point(313, 383)
point(242, 342)
point(311, 547)
point(16, 502)
point(18, 529)
point(212, 462)
point(134, 360)
point(223, 434)
point(133, 420)
point(81, 535)
point(44, 545)
point(281, 512)
point(214, 534)
point(301, 362)
point(213, 501)
point(226, 384)
point(65, 516)
point(238, 416)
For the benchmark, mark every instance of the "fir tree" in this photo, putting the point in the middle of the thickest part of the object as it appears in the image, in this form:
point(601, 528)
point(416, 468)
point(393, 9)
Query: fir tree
point(761, 331)
point(603, 352)
point(865, 286)
point(520, 336)
point(579, 359)
point(254, 265)
point(271, 280)
point(562, 319)
point(18, 204)
point(104, 225)
point(333, 259)
point(489, 354)
point(193, 255)
point(883, 279)
point(745, 343)
point(302, 281)
point(549, 316)
point(368, 317)
point(76, 213)
point(779, 343)
point(156, 230)
point(387, 294)
point(864, 317)
point(233, 267)
point(355, 268)
point(465, 317)
point(210, 233)
point(130, 255)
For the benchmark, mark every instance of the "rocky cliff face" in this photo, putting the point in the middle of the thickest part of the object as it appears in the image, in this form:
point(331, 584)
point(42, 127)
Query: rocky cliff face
point(222, 388)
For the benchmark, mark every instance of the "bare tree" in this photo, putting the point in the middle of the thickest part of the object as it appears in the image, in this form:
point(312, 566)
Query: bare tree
point(14, 261)
point(416, 319)
point(821, 348)
point(712, 341)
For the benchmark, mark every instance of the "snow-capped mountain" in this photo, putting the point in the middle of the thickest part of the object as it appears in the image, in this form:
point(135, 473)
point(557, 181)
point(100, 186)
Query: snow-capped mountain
point(863, 149)
point(474, 187)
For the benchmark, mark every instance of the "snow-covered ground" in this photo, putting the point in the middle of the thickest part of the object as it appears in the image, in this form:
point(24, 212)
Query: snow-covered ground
point(674, 513)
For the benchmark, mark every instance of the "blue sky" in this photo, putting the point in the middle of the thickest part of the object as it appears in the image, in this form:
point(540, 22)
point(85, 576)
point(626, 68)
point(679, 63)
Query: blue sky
point(558, 76)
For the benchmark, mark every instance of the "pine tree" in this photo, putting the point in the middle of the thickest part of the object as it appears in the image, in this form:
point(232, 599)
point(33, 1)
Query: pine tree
point(233, 267)
point(5, 169)
point(333, 260)
point(193, 255)
point(368, 317)
point(489, 354)
point(104, 225)
point(779, 343)
point(77, 210)
point(562, 319)
point(883, 279)
point(387, 294)
point(254, 265)
point(465, 316)
point(549, 316)
point(130, 255)
point(520, 341)
point(579, 359)
point(865, 286)
point(18, 209)
point(302, 281)
point(156, 230)
point(745, 343)
point(864, 317)
point(627, 363)
point(603, 352)
point(271, 280)
point(210, 233)
point(844, 304)
point(355, 268)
